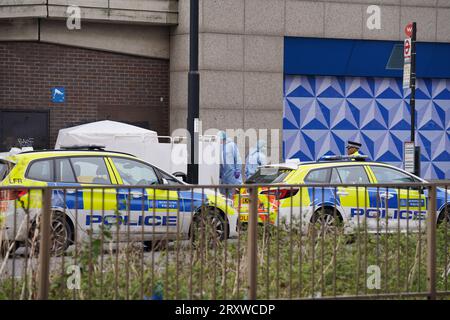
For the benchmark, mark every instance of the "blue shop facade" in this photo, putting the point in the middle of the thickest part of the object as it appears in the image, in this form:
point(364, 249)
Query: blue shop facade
point(339, 90)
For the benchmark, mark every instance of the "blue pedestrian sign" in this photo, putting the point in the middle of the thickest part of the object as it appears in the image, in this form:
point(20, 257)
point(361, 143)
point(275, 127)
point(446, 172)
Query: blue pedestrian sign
point(58, 95)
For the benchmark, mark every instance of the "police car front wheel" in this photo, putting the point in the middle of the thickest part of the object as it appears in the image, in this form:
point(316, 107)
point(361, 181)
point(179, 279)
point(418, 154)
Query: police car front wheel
point(325, 221)
point(209, 224)
point(444, 216)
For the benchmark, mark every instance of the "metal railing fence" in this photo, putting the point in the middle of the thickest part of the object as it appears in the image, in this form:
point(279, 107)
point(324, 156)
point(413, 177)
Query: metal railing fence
point(307, 241)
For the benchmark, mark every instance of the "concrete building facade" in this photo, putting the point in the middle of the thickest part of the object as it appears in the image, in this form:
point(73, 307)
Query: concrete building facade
point(245, 78)
point(243, 65)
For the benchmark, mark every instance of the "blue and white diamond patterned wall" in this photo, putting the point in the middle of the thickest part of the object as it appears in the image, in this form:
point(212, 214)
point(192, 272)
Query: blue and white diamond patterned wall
point(321, 113)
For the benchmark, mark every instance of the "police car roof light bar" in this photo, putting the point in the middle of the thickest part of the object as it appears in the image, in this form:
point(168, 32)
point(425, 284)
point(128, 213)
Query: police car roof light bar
point(344, 158)
point(78, 148)
point(86, 147)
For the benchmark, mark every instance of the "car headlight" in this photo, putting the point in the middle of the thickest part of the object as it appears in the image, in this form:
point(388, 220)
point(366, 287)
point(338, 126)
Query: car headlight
point(229, 202)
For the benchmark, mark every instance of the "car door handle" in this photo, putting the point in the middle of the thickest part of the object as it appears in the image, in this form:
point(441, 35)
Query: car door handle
point(342, 193)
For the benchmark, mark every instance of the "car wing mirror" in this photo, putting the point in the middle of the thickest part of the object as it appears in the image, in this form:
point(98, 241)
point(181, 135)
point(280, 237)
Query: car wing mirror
point(181, 176)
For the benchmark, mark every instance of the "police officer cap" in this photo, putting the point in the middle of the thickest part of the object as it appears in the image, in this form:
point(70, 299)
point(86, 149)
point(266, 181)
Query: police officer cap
point(352, 144)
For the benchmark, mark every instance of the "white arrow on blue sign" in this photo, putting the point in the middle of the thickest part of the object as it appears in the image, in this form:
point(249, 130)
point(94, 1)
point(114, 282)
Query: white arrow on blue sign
point(58, 94)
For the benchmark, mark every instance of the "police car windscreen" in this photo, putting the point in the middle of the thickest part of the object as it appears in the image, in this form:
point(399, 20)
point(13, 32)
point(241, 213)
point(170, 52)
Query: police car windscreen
point(269, 175)
point(5, 168)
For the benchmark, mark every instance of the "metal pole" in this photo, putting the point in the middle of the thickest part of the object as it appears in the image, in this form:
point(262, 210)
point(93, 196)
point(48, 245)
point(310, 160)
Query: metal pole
point(44, 245)
point(193, 95)
point(252, 242)
point(431, 243)
point(412, 101)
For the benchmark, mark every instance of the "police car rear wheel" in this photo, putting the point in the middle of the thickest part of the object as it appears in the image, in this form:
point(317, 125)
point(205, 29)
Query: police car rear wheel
point(8, 248)
point(3, 248)
point(61, 236)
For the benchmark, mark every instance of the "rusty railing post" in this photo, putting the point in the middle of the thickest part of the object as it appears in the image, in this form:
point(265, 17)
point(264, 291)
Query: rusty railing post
point(44, 245)
point(252, 242)
point(431, 243)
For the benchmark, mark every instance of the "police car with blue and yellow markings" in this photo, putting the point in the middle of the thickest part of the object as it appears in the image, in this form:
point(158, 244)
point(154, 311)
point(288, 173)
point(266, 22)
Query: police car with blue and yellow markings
point(376, 209)
point(97, 190)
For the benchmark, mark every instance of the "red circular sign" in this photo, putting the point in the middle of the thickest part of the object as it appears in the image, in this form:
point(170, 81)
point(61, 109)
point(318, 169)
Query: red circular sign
point(407, 47)
point(409, 29)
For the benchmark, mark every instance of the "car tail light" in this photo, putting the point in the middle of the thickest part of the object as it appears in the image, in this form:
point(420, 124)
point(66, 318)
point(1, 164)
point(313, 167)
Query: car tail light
point(281, 193)
point(7, 195)
point(263, 217)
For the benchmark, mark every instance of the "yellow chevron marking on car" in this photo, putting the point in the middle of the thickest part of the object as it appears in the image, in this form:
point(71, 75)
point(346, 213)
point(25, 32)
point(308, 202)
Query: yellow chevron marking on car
point(99, 199)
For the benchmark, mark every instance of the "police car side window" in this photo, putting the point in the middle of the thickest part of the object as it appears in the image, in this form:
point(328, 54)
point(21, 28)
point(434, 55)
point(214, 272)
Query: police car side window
point(5, 169)
point(64, 171)
point(353, 174)
point(318, 176)
point(388, 175)
point(90, 170)
point(41, 170)
point(134, 173)
point(335, 176)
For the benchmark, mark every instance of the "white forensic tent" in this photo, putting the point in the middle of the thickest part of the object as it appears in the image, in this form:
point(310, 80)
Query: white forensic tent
point(112, 135)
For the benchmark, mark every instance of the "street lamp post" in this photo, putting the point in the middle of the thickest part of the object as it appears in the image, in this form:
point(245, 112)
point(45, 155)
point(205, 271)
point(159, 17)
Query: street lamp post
point(193, 96)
